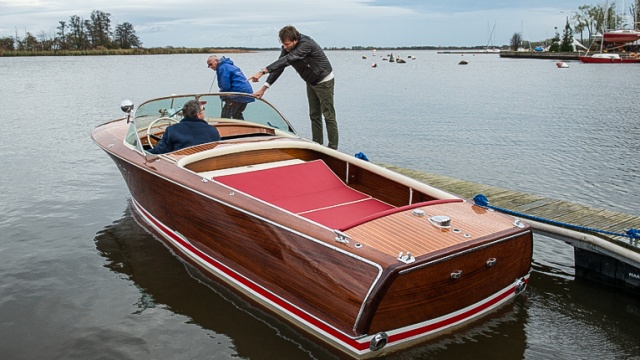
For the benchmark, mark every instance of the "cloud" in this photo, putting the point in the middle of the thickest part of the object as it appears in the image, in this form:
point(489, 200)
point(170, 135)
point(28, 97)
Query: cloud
point(333, 23)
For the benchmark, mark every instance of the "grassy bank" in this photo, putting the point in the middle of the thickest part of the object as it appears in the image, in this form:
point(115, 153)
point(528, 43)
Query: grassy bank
point(139, 51)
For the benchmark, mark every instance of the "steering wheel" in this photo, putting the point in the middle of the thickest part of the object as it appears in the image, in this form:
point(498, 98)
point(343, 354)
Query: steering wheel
point(153, 123)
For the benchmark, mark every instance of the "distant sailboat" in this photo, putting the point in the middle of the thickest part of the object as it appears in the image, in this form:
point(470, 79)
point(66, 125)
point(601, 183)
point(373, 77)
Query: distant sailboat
point(490, 48)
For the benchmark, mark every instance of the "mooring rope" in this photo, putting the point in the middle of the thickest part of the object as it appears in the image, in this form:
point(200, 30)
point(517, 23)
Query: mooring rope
point(482, 200)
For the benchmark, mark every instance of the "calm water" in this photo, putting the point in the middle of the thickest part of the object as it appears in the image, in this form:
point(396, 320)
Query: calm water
point(80, 279)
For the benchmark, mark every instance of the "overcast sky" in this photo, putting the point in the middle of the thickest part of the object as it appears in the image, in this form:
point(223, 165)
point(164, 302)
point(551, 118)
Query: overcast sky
point(332, 23)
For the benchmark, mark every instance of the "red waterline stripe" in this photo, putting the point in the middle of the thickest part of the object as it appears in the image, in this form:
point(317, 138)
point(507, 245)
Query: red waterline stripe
point(448, 322)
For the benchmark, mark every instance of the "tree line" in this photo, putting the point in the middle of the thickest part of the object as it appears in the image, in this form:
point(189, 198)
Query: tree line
point(589, 19)
point(77, 34)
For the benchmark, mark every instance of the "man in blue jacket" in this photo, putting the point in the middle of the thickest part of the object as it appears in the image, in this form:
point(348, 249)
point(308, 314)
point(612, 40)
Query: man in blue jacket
point(313, 66)
point(231, 79)
point(191, 130)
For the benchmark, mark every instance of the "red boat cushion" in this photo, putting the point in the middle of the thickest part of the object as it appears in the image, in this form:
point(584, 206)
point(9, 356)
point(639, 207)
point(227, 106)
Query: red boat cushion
point(295, 187)
point(309, 188)
point(319, 199)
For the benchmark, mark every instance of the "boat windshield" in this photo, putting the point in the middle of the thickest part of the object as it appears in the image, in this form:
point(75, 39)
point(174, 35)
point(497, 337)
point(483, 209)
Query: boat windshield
point(257, 111)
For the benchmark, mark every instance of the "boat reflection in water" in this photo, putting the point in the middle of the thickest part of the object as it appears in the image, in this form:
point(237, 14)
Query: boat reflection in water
point(362, 258)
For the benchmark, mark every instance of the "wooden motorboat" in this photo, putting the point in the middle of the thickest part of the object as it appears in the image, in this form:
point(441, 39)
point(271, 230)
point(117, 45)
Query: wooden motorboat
point(362, 258)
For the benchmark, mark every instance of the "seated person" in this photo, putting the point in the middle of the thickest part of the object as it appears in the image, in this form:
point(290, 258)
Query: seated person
point(191, 130)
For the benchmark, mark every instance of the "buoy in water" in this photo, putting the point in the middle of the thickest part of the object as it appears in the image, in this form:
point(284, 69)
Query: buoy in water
point(562, 64)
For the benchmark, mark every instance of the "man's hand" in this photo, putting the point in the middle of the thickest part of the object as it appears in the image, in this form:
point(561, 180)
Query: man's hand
point(257, 75)
point(260, 92)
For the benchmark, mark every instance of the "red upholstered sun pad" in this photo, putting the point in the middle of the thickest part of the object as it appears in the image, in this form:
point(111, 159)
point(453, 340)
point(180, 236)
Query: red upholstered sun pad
point(319, 199)
point(310, 189)
point(297, 187)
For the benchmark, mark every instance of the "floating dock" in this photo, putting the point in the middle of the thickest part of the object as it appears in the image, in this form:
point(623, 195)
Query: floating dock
point(607, 258)
point(544, 55)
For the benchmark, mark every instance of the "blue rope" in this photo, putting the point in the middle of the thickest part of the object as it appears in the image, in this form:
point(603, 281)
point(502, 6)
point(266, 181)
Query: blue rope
point(482, 200)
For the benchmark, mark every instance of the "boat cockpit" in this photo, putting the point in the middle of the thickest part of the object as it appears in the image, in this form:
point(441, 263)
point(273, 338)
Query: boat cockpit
point(259, 118)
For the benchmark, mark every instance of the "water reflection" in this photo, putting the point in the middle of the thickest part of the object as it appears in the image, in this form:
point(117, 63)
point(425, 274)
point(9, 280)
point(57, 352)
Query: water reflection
point(165, 281)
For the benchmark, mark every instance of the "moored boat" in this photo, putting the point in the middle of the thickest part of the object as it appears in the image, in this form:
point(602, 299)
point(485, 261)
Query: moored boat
point(621, 36)
point(608, 58)
point(362, 258)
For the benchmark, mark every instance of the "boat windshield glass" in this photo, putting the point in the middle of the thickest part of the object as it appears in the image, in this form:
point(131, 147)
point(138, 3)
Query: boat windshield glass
point(257, 111)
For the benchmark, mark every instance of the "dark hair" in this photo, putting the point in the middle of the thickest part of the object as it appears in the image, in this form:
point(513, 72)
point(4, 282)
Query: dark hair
point(191, 109)
point(289, 33)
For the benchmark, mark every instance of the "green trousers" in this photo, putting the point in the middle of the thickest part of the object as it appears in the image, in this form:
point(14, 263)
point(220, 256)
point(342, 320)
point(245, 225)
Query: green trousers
point(321, 103)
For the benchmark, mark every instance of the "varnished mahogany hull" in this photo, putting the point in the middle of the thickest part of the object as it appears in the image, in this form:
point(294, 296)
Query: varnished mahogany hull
point(346, 296)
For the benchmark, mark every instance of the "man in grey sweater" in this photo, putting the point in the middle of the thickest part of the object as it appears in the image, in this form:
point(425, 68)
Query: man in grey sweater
point(313, 66)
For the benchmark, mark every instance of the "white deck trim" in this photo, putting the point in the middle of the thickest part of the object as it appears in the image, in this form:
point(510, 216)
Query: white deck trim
point(249, 168)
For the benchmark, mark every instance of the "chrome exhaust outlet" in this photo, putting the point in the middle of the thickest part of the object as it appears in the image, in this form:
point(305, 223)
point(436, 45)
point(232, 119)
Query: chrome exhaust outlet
point(521, 284)
point(379, 341)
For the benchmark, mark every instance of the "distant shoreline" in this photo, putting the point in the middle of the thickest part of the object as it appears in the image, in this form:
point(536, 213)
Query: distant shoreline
point(139, 51)
point(171, 50)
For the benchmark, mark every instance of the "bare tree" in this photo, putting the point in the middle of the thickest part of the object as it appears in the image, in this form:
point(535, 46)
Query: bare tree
point(99, 29)
point(61, 36)
point(634, 10)
point(6, 43)
point(28, 43)
point(77, 35)
point(583, 21)
point(45, 41)
point(125, 36)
